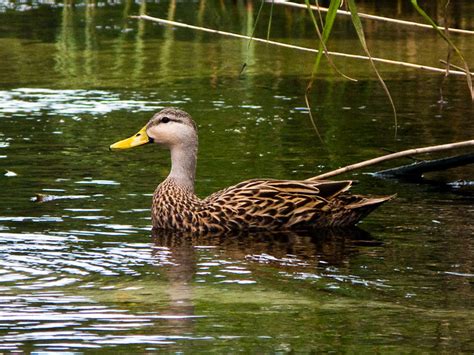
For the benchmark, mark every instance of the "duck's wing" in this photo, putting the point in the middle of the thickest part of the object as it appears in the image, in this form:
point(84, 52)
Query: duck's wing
point(269, 203)
point(268, 188)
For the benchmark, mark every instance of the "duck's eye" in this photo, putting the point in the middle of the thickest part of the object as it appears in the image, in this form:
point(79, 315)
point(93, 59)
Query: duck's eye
point(165, 120)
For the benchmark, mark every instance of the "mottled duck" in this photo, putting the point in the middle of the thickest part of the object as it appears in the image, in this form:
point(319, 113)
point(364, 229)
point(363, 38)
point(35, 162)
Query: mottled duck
point(257, 204)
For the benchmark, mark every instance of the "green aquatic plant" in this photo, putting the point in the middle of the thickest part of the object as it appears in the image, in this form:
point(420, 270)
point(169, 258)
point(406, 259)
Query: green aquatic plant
point(323, 38)
point(360, 33)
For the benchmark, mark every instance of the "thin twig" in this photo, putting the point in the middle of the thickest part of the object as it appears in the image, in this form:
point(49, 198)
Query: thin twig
point(306, 49)
point(404, 153)
point(377, 18)
point(322, 43)
point(392, 151)
point(452, 65)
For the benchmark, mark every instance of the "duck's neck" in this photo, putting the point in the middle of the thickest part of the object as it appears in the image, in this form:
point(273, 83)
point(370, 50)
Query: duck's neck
point(183, 166)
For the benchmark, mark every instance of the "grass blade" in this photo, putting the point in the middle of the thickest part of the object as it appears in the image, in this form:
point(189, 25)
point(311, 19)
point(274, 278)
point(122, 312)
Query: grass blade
point(323, 38)
point(252, 35)
point(360, 33)
point(269, 28)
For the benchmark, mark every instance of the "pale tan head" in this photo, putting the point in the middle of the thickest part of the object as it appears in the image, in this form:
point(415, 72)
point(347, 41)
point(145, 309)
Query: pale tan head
point(175, 130)
point(172, 127)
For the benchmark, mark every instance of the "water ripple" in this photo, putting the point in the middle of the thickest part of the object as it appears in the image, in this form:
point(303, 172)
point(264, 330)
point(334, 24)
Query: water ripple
point(39, 273)
point(70, 102)
point(39, 261)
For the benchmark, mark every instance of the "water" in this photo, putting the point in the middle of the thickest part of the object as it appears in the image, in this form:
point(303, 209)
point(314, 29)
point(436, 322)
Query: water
point(81, 271)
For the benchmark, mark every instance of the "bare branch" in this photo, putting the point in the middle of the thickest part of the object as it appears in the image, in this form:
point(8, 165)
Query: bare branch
point(417, 169)
point(336, 54)
point(377, 18)
point(404, 153)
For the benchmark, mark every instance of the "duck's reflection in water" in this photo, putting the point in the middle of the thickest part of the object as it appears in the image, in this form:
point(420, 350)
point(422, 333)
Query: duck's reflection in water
point(333, 247)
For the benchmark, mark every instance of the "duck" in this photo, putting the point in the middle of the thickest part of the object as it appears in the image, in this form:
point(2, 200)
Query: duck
point(256, 204)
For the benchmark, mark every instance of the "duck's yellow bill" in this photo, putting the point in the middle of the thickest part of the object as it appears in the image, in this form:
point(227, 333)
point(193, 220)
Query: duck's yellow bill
point(138, 139)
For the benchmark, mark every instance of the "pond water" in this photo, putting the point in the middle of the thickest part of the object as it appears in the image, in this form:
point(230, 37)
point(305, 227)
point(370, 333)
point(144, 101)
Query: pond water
point(82, 272)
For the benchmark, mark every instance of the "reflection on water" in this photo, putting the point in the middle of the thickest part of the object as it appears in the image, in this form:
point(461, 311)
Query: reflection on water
point(50, 285)
point(73, 102)
point(68, 292)
point(99, 46)
point(56, 290)
point(79, 269)
point(290, 251)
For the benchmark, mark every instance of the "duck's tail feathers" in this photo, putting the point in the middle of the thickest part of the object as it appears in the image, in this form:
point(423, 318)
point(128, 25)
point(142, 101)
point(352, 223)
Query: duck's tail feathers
point(361, 208)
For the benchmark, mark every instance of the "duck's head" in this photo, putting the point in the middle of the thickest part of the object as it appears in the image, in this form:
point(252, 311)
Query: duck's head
point(170, 128)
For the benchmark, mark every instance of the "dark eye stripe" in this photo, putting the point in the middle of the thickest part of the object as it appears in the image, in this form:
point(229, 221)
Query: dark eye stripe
point(168, 119)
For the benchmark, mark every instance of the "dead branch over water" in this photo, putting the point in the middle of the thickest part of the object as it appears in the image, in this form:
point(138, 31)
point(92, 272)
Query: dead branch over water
point(417, 169)
point(373, 17)
point(306, 49)
point(404, 153)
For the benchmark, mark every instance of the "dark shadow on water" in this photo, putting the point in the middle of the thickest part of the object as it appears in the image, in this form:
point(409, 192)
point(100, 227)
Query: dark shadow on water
point(298, 250)
point(461, 188)
point(332, 245)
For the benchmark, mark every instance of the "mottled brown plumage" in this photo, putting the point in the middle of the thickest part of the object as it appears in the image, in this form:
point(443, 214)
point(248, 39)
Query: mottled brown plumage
point(259, 204)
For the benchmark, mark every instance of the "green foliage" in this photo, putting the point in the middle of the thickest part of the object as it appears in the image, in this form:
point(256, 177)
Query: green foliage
point(323, 38)
point(330, 17)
